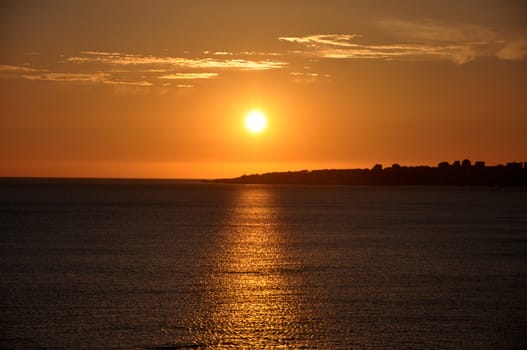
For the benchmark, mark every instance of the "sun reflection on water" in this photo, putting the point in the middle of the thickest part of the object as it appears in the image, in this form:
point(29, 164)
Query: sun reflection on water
point(254, 303)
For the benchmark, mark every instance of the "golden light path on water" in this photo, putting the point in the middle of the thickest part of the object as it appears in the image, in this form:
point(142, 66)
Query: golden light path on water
point(255, 301)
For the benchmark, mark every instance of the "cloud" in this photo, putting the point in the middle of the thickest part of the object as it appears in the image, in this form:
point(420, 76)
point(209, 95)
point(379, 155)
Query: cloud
point(307, 77)
point(129, 83)
point(339, 40)
point(113, 58)
point(341, 46)
point(99, 53)
point(117, 68)
point(516, 50)
point(103, 78)
point(437, 32)
point(188, 76)
point(28, 73)
point(427, 40)
point(18, 69)
point(79, 77)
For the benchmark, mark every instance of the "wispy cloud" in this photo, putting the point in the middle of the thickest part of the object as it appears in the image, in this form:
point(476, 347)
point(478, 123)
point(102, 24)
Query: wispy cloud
point(408, 40)
point(128, 83)
point(188, 76)
point(28, 73)
point(100, 53)
point(113, 58)
point(18, 69)
point(437, 32)
point(307, 77)
point(83, 77)
point(516, 50)
point(103, 78)
point(338, 40)
point(117, 68)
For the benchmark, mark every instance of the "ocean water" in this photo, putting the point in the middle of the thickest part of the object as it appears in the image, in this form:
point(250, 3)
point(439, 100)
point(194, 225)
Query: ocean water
point(115, 264)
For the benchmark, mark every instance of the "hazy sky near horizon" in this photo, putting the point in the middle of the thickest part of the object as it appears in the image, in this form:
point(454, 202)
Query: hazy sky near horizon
point(160, 88)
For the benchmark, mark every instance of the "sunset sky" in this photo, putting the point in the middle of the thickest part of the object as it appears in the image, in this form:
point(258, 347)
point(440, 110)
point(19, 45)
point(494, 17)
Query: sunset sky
point(161, 88)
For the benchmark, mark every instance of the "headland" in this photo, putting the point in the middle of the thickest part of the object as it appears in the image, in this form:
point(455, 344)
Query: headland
point(458, 173)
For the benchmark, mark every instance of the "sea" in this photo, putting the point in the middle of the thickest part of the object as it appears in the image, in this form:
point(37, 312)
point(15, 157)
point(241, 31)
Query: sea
point(165, 264)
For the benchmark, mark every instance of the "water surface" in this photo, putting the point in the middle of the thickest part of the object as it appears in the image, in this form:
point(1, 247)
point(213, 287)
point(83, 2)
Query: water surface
point(98, 264)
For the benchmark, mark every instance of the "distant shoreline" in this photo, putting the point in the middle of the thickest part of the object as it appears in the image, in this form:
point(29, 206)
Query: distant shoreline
point(456, 174)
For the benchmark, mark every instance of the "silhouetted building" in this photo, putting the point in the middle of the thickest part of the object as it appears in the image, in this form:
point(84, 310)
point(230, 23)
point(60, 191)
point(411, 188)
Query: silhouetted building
point(466, 163)
point(479, 164)
point(443, 165)
point(377, 167)
point(456, 164)
point(396, 166)
point(515, 165)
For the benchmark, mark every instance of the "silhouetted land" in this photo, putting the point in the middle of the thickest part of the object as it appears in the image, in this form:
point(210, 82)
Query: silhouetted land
point(456, 174)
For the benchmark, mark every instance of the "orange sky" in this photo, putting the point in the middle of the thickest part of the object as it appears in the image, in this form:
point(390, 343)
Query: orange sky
point(161, 88)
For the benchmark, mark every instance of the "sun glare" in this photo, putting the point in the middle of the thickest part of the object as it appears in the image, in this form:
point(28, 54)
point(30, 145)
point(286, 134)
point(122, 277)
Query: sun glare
point(255, 121)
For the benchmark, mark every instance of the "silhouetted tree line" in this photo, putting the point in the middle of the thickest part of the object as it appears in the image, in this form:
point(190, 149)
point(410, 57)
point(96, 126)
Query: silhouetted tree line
point(456, 174)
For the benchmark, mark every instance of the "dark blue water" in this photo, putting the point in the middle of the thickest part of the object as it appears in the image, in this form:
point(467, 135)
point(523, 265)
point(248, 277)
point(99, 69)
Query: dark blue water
point(172, 265)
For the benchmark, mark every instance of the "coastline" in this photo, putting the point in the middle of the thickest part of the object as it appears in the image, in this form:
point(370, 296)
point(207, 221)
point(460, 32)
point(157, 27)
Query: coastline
point(445, 174)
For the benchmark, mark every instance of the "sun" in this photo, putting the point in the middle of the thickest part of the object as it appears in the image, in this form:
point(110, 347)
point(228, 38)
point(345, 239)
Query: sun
point(255, 121)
